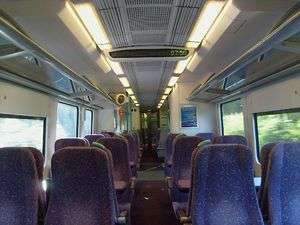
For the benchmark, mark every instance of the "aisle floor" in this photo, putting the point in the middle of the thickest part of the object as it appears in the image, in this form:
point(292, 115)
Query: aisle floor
point(151, 205)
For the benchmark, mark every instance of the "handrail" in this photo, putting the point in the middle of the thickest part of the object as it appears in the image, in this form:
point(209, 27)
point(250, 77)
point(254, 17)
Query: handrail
point(284, 31)
point(27, 44)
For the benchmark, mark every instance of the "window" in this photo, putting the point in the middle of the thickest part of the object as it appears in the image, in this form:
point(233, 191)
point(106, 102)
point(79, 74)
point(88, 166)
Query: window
point(22, 131)
point(277, 126)
point(232, 118)
point(88, 122)
point(67, 121)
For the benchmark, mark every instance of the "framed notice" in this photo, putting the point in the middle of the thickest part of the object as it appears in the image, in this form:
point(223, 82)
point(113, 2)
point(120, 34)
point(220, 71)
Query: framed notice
point(188, 116)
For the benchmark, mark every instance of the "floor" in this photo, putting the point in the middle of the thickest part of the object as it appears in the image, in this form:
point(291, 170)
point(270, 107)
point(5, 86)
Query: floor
point(151, 205)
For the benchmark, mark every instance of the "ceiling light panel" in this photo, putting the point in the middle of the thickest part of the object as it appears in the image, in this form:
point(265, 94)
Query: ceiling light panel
point(181, 65)
point(124, 82)
point(207, 16)
point(164, 97)
point(168, 90)
point(91, 21)
point(129, 91)
point(173, 81)
point(116, 67)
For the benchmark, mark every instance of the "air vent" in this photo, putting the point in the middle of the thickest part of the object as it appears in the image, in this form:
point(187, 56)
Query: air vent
point(150, 53)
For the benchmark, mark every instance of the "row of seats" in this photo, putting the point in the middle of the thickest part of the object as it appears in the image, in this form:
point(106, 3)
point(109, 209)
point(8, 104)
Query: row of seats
point(211, 181)
point(89, 184)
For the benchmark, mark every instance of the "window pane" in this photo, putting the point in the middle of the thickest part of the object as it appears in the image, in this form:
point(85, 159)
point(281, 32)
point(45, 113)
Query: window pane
point(66, 125)
point(274, 127)
point(21, 132)
point(232, 118)
point(88, 123)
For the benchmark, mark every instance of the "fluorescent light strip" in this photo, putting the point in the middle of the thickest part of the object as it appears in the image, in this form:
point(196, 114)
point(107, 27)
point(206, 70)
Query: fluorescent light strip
point(168, 90)
point(164, 97)
point(91, 21)
point(133, 98)
point(224, 20)
point(135, 101)
point(116, 67)
point(207, 16)
point(129, 91)
point(103, 64)
point(181, 65)
point(137, 105)
point(124, 82)
point(173, 81)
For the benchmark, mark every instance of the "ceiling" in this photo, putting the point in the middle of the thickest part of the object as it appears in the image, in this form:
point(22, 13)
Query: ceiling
point(131, 23)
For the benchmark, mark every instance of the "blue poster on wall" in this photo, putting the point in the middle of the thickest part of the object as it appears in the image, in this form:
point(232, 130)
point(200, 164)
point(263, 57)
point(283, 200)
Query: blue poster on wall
point(188, 116)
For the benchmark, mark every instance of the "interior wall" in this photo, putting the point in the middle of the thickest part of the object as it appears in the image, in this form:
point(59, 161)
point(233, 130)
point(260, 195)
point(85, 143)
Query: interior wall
point(105, 118)
point(136, 119)
point(206, 112)
point(23, 101)
point(278, 96)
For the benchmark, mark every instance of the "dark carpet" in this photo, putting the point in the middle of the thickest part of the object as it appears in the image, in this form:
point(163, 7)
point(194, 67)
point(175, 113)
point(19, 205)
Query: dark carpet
point(151, 205)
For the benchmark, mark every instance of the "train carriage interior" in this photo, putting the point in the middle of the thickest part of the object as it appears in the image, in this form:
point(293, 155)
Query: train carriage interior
point(149, 112)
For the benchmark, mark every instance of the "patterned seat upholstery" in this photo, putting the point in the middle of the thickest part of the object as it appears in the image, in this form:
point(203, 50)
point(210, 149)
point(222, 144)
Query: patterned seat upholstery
point(284, 184)
point(121, 169)
point(83, 190)
point(39, 162)
point(133, 153)
point(206, 136)
point(230, 139)
point(168, 156)
point(18, 190)
point(223, 189)
point(69, 142)
point(263, 191)
point(93, 137)
point(181, 167)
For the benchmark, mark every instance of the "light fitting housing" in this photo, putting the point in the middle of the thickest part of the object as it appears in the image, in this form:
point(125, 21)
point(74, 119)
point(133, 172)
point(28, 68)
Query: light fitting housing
point(124, 81)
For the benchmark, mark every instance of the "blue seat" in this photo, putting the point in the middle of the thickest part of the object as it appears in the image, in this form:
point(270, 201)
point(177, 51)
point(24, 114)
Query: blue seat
point(230, 139)
point(266, 151)
point(83, 190)
point(206, 136)
point(123, 179)
point(181, 167)
point(223, 190)
point(169, 151)
point(284, 184)
point(19, 181)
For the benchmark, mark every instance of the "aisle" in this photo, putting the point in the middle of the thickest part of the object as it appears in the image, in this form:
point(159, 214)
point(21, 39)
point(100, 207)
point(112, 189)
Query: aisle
point(151, 205)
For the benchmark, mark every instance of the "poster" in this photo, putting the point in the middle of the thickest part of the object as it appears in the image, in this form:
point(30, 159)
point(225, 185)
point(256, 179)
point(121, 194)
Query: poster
point(189, 116)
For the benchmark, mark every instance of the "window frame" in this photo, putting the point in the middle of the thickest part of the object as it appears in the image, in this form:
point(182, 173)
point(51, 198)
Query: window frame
point(77, 115)
point(92, 118)
point(44, 119)
point(274, 112)
point(222, 113)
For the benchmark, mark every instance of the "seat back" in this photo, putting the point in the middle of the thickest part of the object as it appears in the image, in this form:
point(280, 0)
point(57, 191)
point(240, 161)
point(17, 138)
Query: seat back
point(223, 189)
point(169, 145)
point(19, 187)
point(183, 149)
point(206, 136)
point(263, 191)
point(93, 137)
point(120, 154)
point(230, 139)
point(133, 152)
point(83, 190)
point(284, 184)
point(70, 142)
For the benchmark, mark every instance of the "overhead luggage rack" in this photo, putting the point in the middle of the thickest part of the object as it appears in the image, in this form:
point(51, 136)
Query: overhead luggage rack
point(271, 59)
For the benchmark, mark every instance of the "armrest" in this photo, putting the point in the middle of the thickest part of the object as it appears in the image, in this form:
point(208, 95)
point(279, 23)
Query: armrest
point(184, 219)
point(132, 182)
point(169, 182)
